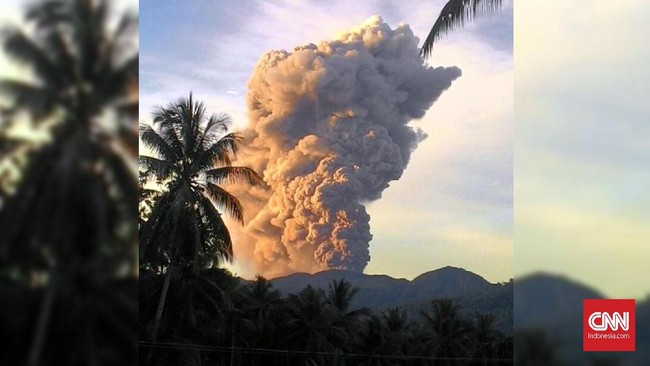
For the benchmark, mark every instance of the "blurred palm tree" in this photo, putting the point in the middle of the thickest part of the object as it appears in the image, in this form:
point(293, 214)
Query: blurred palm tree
point(69, 220)
point(82, 90)
point(454, 15)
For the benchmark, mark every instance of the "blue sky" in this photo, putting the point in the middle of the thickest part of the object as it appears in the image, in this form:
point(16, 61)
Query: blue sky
point(453, 205)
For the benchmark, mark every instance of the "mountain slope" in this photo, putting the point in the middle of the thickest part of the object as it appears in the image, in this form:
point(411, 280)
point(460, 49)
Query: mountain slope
point(553, 304)
point(380, 292)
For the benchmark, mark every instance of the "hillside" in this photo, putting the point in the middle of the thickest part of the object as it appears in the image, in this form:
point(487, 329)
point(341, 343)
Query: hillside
point(553, 304)
point(380, 292)
point(550, 300)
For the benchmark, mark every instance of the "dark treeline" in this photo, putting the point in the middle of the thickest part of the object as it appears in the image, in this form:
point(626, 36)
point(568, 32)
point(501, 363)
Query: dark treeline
point(213, 318)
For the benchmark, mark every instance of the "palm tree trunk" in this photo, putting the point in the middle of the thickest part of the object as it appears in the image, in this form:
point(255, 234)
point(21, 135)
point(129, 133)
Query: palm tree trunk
point(161, 303)
point(43, 321)
point(159, 311)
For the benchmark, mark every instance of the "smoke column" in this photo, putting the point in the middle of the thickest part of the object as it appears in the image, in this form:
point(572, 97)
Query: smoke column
point(328, 129)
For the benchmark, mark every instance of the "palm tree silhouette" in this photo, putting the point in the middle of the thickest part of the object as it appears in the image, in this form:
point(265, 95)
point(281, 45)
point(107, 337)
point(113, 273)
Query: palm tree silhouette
point(485, 336)
point(397, 331)
point(192, 160)
point(313, 324)
point(454, 15)
point(340, 296)
point(69, 219)
point(448, 335)
point(533, 347)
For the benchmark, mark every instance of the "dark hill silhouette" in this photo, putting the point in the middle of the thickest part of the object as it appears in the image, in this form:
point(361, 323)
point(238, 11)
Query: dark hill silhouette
point(380, 292)
point(544, 300)
point(448, 282)
point(553, 304)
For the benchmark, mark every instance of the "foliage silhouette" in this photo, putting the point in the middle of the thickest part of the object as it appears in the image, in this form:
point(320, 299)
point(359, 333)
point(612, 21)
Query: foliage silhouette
point(193, 152)
point(258, 326)
point(453, 16)
point(184, 230)
point(67, 219)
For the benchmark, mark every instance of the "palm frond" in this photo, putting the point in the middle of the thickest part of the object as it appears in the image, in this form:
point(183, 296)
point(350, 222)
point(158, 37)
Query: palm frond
point(234, 174)
point(218, 124)
point(222, 242)
point(128, 23)
point(124, 179)
point(454, 15)
point(23, 49)
point(153, 227)
point(61, 55)
point(48, 13)
point(216, 127)
point(113, 81)
point(219, 152)
point(226, 201)
point(157, 143)
point(38, 100)
point(167, 120)
point(158, 168)
point(191, 114)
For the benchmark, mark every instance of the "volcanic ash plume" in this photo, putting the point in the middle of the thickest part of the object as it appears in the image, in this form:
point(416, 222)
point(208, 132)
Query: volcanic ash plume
point(328, 129)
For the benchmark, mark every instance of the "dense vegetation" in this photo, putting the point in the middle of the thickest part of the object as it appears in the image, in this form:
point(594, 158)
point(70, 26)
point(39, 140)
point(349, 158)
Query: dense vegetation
point(214, 318)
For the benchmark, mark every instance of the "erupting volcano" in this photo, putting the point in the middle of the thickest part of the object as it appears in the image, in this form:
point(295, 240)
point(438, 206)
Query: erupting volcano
point(329, 130)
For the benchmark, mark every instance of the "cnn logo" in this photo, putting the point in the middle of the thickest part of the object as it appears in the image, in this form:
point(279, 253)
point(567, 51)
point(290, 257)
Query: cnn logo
point(602, 321)
point(608, 325)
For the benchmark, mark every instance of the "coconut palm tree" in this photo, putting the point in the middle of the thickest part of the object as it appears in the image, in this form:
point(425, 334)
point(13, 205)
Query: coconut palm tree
point(454, 15)
point(199, 307)
point(83, 73)
point(398, 331)
point(313, 325)
point(372, 340)
point(191, 161)
point(448, 335)
point(485, 337)
point(340, 296)
point(533, 347)
point(69, 219)
point(259, 319)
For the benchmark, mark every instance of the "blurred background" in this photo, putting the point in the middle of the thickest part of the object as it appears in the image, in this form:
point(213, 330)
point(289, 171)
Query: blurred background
point(68, 182)
point(581, 197)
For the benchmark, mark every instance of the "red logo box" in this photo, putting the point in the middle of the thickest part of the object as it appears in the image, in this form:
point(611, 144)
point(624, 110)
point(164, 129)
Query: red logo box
point(608, 325)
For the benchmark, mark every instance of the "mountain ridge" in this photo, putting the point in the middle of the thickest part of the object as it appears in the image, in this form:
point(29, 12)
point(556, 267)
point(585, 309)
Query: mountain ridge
point(379, 292)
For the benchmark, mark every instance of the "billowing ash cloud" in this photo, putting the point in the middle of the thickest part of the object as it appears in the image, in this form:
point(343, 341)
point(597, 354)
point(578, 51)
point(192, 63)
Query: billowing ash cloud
point(328, 129)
